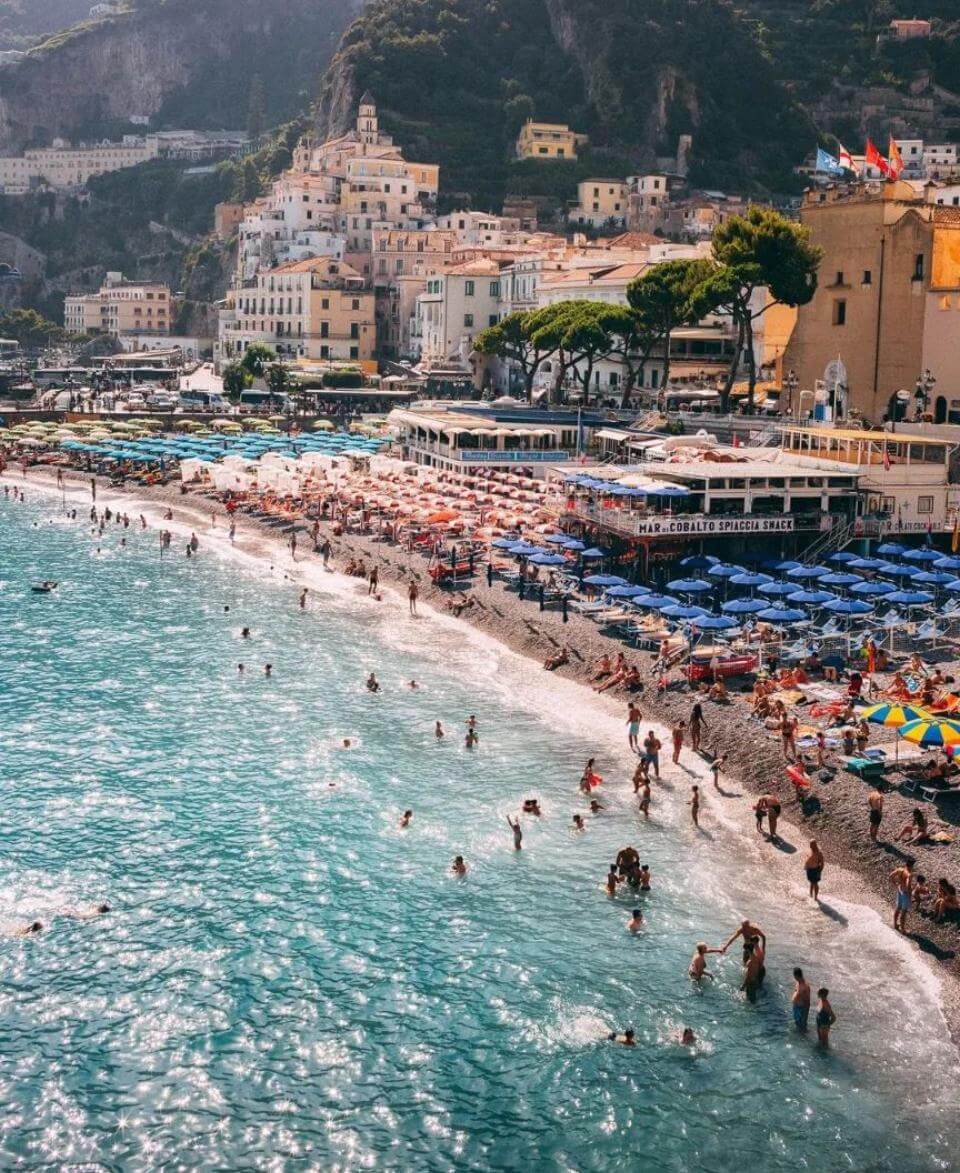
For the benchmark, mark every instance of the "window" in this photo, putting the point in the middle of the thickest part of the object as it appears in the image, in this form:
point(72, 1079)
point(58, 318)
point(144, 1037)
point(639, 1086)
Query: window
point(325, 303)
point(839, 280)
point(867, 277)
point(354, 329)
point(355, 303)
point(494, 288)
point(492, 320)
point(924, 505)
point(839, 312)
point(324, 351)
point(918, 268)
point(468, 287)
point(354, 351)
point(324, 329)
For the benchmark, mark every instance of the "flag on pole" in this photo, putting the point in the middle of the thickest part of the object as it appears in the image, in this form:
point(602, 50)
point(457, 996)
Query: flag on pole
point(896, 159)
point(886, 458)
point(929, 535)
point(846, 159)
point(873, 158)
point(827, 164)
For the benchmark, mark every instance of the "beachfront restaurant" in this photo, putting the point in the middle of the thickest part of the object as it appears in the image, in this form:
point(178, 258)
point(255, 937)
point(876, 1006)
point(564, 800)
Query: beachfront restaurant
point(734, 510)
point(466, 444)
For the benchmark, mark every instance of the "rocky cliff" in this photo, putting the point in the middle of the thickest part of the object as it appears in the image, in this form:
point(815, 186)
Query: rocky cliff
point(180, 61)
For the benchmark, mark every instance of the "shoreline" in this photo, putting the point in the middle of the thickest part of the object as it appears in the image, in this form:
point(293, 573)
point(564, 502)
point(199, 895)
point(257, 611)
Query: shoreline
point(520, 629)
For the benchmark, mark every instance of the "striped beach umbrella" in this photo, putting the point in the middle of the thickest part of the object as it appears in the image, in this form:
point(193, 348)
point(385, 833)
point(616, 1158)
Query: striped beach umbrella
point(894, 716)
point(931, 732)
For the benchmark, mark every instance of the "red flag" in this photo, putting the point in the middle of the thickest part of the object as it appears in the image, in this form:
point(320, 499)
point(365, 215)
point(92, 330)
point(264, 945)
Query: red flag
point(886, 459)
point(873, 158)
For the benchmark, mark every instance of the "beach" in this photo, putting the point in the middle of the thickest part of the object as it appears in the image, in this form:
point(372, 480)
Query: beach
point(857, 870)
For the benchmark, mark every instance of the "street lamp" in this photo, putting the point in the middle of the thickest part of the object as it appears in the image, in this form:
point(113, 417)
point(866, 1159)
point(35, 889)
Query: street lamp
point(792, 382)
point(925, 384)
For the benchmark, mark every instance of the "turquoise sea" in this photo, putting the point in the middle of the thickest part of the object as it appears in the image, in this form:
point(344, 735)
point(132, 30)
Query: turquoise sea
point(289, 981)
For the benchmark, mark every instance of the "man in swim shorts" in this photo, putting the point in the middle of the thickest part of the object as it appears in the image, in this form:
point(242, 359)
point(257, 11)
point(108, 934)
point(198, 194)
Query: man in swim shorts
point(903, 878)
point(801, 1000)
point(651, 751)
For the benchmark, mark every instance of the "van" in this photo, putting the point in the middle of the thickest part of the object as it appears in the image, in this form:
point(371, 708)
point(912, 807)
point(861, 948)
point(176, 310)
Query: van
point(256, 400)
point(203, 401)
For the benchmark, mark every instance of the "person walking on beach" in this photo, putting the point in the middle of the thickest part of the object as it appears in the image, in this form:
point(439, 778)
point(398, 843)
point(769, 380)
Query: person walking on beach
point(875, 803)
point(194, 542)
point(694, 805)
point(651, 748)
point(412, 595)
point(293, 545)
point(645, 798)
point(633, 726)
point(233, 530)
point(788, 735)
point(514, 825)
point(697, 725)
point(813, 865)
point(715, 767)
point(801, 1000)
point(373, 581)
point(903, 879)
point(93, 488)
point(678, 731)
point(825, 1016)
point(325, 551)
point(303, 599)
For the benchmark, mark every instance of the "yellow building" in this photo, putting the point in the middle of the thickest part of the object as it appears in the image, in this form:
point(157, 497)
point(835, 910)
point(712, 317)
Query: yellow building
point(317, 308)
point(601, 202)
point(120, 308)
point(548, 140)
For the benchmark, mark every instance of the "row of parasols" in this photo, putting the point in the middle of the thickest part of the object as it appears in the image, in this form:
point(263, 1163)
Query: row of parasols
point(211, 449)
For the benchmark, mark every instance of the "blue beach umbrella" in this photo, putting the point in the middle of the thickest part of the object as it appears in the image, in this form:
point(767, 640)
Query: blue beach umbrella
point(901, 570)
point(950, 562)
point(502, 543)
point(873, 588)
point(783, 567)
point(839, 578)
point(843, 556)
point(676, 611)
point(556, 539)
point(743, 606)
point(574, 544)
point(592, 554)
point(922, 554)
point(689, 586)
point(625, 592)
point(698, 561)
point(548, 559)
point(866, 564)
point(666, 491)
point(716, 623)
point(524, 549)
point(932, 578)
point(605, 580)
point(850, 606)
point(781, 615)
point(910, 598)
point(803, 572)
point(750, 580)
point(725, 570)
point(655, 602)
point(891, 548)
point(811, 598)
point(953, 588)
point(773, 590)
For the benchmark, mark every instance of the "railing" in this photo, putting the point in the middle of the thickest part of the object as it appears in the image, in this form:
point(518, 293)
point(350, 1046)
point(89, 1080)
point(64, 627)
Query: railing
point(511, 456)
point(841, 532)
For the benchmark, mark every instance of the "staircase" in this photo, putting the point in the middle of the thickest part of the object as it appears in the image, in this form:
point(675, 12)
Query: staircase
point(833, 539)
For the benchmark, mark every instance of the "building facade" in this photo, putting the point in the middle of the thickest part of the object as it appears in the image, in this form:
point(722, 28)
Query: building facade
point(548, 140)
point(120, 308)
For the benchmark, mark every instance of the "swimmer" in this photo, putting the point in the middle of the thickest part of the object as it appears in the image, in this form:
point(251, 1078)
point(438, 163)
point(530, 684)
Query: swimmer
point(471, 739)
point(373, 685)
point(245, 634)
point(531, 806)
point(28, 930)
point(514, 825)
point(240, 669)
point(612, 880)
point(346, 743)
point(412, 684)
point(645, 798)
point(698, 964)
point(626, 1039)
point(405, 819)
point(303, 598)
point(687, 1037)
point(578, 823)
point(825, 1016)
point(438, 731)
point(90, 913)
point(644, 877)
point(268, 669)
point(595, 806)
point(459, 868)
point(635, 923)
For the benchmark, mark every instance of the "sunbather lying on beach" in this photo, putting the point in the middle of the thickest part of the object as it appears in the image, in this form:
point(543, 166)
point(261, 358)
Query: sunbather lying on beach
point(551, 663)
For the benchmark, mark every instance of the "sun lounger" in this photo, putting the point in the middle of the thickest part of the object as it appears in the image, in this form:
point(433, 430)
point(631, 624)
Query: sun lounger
point(865, 768)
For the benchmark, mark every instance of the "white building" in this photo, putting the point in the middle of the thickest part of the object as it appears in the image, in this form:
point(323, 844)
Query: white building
point(457, 304)
point(120, 308)
point(64, 166)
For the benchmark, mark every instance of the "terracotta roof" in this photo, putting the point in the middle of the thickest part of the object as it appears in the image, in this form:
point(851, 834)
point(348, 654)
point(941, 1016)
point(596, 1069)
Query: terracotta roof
point(316, 265)
point(631, 240)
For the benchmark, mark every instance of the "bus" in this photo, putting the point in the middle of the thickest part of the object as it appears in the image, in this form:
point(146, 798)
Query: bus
point(203, 401)
point(60, 376)
point(265, 401)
